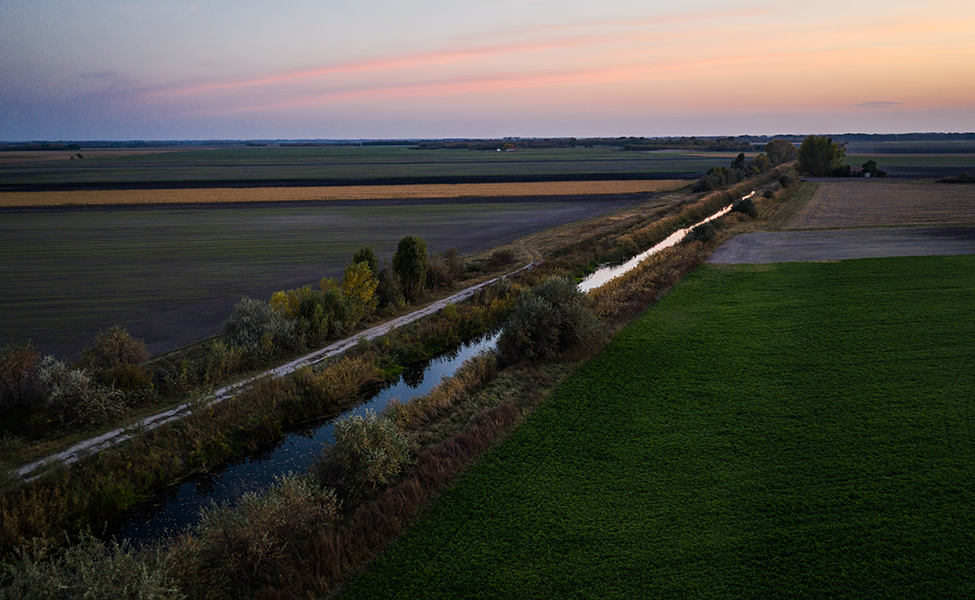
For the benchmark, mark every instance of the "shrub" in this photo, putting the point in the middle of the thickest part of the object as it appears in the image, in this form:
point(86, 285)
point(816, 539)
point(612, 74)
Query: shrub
point(368, 452)
point(501, 258)
point(260, 330)
point(548, 320)
point(257, 543)
point(746, 206)
point(89, 569)
point(705, 232)
point(113, 347)
point(74, 398)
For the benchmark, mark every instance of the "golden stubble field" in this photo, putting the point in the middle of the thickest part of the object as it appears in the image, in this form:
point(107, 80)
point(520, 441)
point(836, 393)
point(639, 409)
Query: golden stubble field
point(866, 203)
point(361, 192)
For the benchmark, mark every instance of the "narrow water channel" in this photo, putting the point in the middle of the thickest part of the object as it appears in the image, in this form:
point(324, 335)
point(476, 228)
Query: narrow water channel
point(178, 507)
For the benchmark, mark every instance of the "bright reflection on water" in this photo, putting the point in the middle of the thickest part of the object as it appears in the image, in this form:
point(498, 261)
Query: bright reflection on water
point(178, 507)
point(604, 275)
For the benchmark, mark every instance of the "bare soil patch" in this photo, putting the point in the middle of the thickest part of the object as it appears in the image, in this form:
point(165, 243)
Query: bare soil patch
point(811, 246)
point(361, 192)
point(865, 203)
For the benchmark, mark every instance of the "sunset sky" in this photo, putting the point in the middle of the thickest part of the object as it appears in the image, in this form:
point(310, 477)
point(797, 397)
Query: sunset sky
point(313, 69)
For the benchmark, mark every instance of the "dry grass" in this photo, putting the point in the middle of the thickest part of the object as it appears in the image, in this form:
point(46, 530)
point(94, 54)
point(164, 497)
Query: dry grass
point(359, 192)
point(886, 204)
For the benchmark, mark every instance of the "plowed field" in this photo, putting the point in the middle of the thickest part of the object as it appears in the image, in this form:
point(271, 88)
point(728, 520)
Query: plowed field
point(865, 203)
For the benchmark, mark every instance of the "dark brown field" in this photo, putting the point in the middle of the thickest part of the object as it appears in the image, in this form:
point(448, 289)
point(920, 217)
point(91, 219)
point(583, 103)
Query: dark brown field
point(172, 274)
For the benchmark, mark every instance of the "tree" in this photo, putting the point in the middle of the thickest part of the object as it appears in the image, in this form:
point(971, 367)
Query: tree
point(113, 347)
point(359, 289)
point(19, 364)
point(410, 264)
point(780, 151)
point(820, 155)
point(366, 255)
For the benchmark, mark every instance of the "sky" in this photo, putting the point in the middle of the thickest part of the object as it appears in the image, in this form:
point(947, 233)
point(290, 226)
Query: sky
point(381, 69)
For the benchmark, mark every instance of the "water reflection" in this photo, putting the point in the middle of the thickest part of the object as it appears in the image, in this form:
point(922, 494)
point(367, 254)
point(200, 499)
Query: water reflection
point(603, 275)
point(178, 507)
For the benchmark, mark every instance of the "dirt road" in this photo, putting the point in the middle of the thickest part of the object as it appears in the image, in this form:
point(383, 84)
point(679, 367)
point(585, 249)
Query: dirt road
point(80, 450)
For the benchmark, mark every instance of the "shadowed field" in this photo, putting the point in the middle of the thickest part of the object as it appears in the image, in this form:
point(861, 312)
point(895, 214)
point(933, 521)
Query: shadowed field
point(172, 274)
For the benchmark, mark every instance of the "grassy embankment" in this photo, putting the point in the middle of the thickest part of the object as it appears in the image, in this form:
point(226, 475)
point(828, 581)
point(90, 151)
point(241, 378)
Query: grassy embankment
point(793, 430)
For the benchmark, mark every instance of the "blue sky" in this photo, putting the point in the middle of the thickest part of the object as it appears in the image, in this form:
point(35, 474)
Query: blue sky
point(430, 68)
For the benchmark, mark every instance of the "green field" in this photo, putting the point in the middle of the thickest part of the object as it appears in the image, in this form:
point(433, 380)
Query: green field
point(789, 430)
point(345, 162)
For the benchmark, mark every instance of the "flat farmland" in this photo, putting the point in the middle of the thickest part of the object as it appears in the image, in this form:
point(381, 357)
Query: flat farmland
point(774, 431)
point(171, 274)
point(242, 165)
point(351, 192)
point(876, 203)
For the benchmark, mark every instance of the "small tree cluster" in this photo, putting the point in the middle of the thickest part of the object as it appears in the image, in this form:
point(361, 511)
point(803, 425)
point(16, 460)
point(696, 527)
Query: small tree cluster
point(549, 319)
point(781, 151)
point(740, 169)
point(820, 156)
point(302, 318)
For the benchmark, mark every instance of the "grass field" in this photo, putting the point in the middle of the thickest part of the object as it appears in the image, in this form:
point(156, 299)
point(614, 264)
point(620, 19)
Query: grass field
point(866, 203)
point(171, 275)
point(784, 431)
point(243, 164)
point(358, 192)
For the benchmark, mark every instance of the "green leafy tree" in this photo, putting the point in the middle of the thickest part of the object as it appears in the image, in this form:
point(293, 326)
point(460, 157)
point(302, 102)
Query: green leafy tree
point(820, 155)
point(410, 264)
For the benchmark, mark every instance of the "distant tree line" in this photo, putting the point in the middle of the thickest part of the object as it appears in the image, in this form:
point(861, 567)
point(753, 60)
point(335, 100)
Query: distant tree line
point(777, 152)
